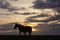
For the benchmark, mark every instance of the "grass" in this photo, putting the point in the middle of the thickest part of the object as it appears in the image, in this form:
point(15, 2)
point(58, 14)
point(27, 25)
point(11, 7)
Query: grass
point(22, 37)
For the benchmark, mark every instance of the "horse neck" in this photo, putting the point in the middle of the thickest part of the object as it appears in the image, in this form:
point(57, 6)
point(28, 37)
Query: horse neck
point(20, 26)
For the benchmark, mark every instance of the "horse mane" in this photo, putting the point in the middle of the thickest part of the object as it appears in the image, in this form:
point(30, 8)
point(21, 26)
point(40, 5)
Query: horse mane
point(20, 25)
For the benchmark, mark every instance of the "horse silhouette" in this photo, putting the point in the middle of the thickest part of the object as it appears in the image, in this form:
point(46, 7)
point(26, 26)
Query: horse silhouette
point(23, 29)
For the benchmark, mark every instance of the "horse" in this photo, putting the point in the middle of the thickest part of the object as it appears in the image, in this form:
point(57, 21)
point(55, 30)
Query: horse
point(23, 29)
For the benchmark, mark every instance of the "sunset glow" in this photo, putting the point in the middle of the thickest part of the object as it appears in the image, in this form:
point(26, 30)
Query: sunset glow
point(34, 30)
point(38, 14)
point(32, 24)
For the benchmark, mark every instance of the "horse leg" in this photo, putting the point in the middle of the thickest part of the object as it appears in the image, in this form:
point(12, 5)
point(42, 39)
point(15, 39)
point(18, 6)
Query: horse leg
point(29, 33)
point(20, 33)
point(24, 33)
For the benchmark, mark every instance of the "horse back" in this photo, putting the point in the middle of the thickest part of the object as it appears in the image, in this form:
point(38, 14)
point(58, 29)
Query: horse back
point(29, 28)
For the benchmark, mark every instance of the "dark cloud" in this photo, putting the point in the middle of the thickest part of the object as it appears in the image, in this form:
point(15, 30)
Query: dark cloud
point(33, 20)
point(52, 26)
point(48, 4)
point(51, 29)
point(6, 5)
point(8, 26)
point(30, 19)
point(41, 15)
point(57, 17)
point(40, 4)
point(26, 13)
point(58, 10)
point(55, 4)
point(22, 13)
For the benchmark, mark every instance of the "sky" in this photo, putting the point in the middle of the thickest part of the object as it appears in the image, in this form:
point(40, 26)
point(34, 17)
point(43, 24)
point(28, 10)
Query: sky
point(39, 14)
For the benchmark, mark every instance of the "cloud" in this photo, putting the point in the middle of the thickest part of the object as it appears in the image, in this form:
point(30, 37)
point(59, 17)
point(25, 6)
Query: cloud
point(6, 5)
point(57, 17)
point(5, 14)
point(41, 15)
point(25, 13)
point(48, 4)
point(31, 19)
point(40, 4)
point(8, 26)
point(54, 18)
point(51, 29)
